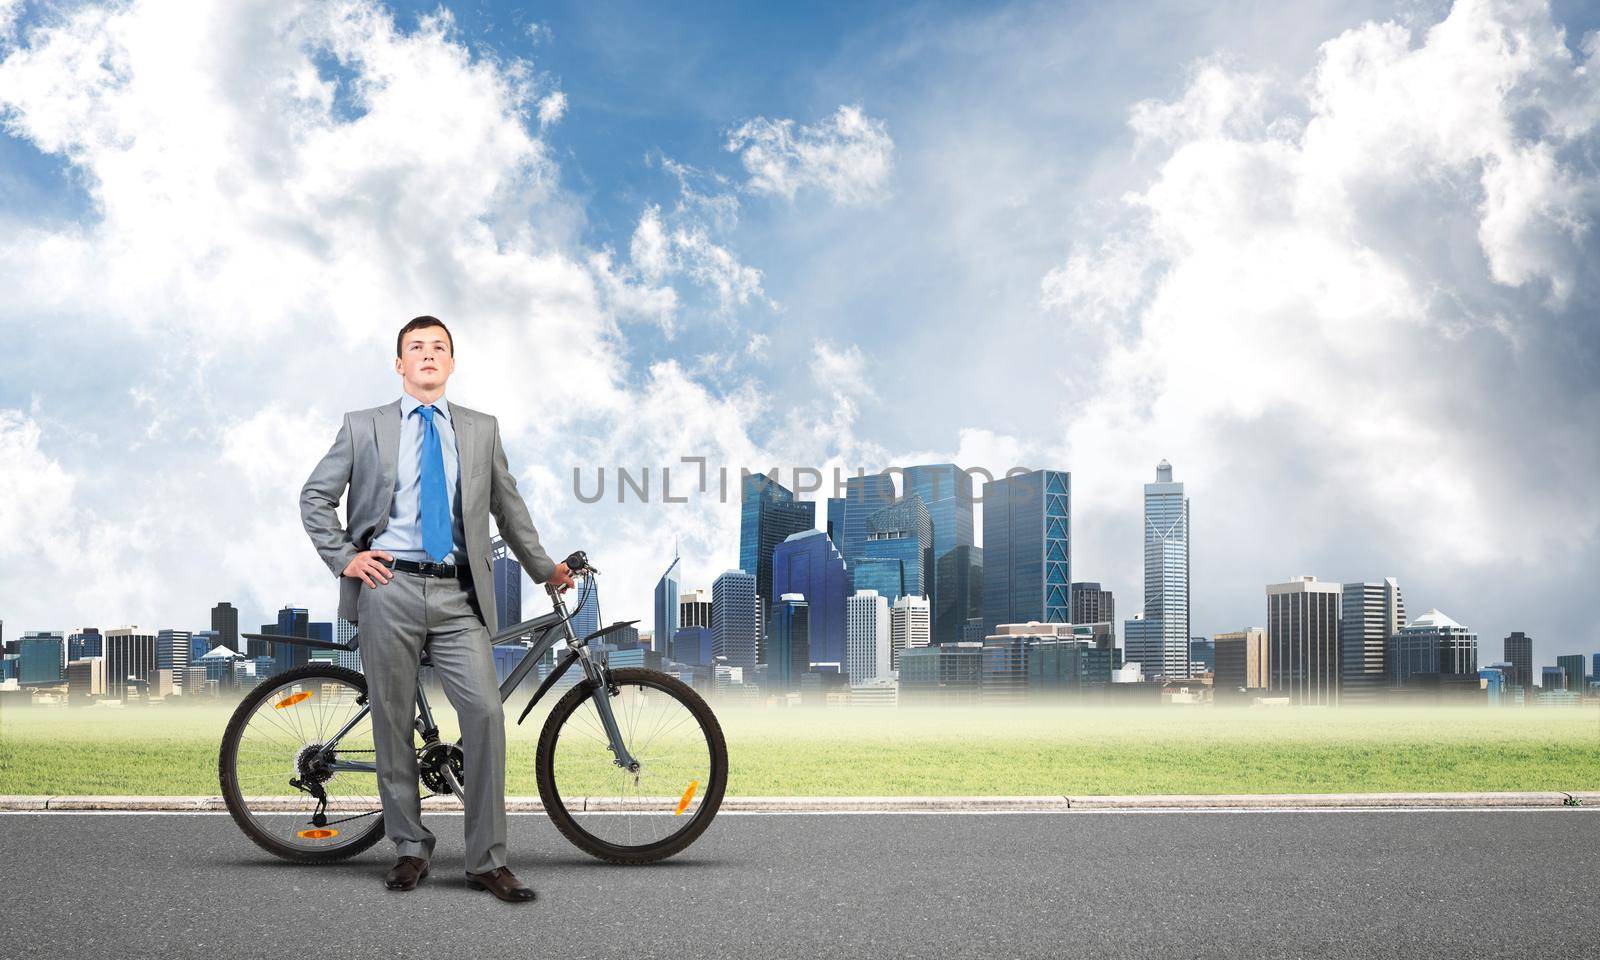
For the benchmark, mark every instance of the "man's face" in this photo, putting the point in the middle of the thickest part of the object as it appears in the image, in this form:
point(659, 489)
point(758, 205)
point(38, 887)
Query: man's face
point(425, 361)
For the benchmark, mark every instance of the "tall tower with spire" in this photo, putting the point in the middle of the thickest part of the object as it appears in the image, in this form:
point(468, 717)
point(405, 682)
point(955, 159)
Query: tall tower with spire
point(667, 589)
point(1160, 639)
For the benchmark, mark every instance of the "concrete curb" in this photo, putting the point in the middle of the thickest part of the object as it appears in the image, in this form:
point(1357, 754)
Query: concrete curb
point(1037, 804)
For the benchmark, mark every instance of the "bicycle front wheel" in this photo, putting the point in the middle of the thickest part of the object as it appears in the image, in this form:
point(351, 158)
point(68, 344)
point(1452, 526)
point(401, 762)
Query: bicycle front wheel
point(643, 815)
point(279, 753)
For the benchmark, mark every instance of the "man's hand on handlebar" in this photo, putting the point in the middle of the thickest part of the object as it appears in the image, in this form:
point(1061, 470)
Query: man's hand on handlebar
point(560, 579)
point(366, 567)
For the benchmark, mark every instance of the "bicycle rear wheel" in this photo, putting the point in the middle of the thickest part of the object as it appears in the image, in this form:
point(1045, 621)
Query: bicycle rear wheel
point(644, 815)
point(275, 738)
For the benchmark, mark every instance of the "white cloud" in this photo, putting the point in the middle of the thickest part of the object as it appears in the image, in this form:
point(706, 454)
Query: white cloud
point(660, 250)
point(10, 10)
point(849, 156)
point(1355, 296)
point(259, 231)
point(651, 248)
point(552, 107)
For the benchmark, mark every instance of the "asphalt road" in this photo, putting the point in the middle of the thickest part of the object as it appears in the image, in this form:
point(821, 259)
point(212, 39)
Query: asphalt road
point(1172, 885)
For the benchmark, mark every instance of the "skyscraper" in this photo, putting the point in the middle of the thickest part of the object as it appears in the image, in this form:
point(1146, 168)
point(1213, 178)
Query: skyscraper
point(1241, 660)
point(1431, 644)
point(768, 515)
point(1519, 653)
point(130, 657)
point(1090, 604)
point(1303, 637)
point(83, 643)
point(343, 632)
point(507, 574)
point(887, 575)
point(863, 496)
point(733, 618)
point(1572, 666)
point(1166, 577)
point(946, 489)
point(835, 525)
point(200, 643)
point(225, 621)
point(694, 610)
point(807, 564)
point(586, 615)
point(692, 645)
point(791, 643)
point(902, 531)
point(172, 653)
point(292, 622)
point(666, 598)
point(867, 656)
point(910, 627)
point(40, 656)
point(1027, 551)
point(1371, 613)
point(958, 580)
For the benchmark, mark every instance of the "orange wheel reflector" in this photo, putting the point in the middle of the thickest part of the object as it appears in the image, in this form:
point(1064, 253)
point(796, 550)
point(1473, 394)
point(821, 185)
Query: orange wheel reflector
point(292, 699)
point(318, 834)
point(688, 794)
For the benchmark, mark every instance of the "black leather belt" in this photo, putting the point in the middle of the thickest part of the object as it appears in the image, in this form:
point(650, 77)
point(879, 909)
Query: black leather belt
point(426, 568)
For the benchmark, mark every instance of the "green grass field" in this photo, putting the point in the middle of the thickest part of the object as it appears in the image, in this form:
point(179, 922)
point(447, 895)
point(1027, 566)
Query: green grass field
point(932, 751)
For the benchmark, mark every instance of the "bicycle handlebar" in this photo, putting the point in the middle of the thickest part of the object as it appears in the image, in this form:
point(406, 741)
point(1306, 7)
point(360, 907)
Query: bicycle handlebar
point(578, 562)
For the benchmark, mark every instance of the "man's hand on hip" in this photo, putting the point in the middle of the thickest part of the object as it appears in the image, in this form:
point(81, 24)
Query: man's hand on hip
point(366, 567)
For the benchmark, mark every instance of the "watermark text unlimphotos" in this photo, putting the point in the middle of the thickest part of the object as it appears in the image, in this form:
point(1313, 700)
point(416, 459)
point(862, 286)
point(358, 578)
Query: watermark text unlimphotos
point(695, 478)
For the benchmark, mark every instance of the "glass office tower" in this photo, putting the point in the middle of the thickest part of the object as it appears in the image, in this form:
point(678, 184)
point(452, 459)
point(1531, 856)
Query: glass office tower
point(903, 531)
point(1166, 578)
point(791, 643)
point(886, 575)
point(808, 565)
point(507, 575)
point(667, 600)
point(1027, 550)
point(947, 491)
point(768, 514)
point(733, 619)
point(958, 583)
point(863, 496)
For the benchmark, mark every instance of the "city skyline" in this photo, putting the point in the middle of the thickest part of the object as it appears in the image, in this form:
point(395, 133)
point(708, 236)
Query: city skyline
point(1336, 658)
point(817, 252)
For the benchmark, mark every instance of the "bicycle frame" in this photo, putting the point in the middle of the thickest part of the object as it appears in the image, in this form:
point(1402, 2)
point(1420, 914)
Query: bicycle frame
point(547, 630)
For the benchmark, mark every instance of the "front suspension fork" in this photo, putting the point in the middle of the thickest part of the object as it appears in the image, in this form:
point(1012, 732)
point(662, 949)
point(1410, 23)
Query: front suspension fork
point(603, 691)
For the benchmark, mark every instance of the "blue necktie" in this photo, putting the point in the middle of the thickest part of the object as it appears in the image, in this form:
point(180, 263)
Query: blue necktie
point(436, 534)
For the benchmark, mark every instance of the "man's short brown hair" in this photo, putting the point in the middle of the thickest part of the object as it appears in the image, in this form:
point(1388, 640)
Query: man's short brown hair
point(418, 324)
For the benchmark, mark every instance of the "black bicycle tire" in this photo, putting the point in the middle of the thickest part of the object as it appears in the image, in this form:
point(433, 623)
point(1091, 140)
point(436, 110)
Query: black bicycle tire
point(227, 773)
point(645, 853)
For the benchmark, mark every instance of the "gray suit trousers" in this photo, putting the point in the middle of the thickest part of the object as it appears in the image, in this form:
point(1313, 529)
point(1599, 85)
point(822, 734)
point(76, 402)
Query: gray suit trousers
point(399, 619)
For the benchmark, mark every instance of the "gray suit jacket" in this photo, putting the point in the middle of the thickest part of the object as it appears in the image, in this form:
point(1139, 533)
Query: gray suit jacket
point(363, 458)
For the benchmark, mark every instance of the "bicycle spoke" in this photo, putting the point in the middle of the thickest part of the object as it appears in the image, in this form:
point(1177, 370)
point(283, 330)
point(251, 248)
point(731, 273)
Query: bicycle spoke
point(634, 809)
point(272, 749)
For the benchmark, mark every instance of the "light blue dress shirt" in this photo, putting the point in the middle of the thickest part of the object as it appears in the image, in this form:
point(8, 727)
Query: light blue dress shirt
point(403, 536)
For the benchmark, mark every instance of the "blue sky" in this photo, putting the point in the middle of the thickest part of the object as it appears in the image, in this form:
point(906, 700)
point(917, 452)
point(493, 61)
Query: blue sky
point(1328, 261)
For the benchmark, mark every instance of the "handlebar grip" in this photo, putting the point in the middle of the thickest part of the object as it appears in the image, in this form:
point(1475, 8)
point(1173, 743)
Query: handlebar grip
point(578, 562)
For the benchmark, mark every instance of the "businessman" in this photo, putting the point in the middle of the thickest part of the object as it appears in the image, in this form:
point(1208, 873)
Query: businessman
point(413, 564)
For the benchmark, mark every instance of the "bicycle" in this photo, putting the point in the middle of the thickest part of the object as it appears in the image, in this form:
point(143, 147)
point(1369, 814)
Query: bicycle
point(631, 762)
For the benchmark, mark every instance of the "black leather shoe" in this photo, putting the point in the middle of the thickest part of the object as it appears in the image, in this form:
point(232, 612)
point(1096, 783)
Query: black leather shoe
point(502, 883)
point(405, 873)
